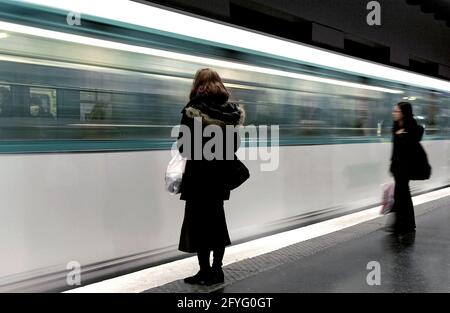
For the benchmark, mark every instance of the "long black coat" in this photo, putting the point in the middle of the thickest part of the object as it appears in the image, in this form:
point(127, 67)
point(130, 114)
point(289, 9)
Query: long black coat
point(405, 151)
point(408, 159)
point(207, 178)
point(204, 181)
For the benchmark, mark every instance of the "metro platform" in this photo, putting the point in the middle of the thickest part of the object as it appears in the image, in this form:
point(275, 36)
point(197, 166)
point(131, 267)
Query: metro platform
point(351, 254)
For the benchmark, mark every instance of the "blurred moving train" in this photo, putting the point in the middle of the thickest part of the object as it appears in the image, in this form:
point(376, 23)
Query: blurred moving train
point(86, 114)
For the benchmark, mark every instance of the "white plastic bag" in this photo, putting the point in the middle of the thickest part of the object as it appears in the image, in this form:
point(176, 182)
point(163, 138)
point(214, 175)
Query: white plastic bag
point(174, 173)
point(387, 202)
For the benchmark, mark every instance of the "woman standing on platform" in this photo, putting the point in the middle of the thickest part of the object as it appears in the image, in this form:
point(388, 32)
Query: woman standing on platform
point(204, 185)
point(406, 136)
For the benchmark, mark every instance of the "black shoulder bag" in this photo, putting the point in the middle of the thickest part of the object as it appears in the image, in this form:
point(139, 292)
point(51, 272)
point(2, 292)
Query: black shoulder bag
point(420, 168)
point(237, 175)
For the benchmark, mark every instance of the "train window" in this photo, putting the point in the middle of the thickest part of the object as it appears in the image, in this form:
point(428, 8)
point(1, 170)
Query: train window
point(95, 106)
point(5, 100)
point(42, 103)
point(354, 118)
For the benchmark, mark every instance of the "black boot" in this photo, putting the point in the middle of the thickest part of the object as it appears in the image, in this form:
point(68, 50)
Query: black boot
point(203, 276)
point(217, 276)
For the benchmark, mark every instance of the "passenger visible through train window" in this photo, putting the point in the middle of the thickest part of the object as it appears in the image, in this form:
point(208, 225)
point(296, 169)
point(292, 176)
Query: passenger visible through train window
point(36, 109)
point(42, 102)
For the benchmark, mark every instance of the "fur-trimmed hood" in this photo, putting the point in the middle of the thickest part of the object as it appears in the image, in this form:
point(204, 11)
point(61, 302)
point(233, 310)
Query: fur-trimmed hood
point(227, 113)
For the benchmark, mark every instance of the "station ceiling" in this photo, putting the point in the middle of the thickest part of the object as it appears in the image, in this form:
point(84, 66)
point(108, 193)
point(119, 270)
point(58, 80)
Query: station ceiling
point(439, 8)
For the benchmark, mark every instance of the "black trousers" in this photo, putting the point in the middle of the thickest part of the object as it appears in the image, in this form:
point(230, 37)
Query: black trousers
point(403, 205)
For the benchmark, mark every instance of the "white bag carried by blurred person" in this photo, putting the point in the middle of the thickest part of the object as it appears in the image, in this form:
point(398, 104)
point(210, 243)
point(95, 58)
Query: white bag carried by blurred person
point(174, 173)
point(387, 202)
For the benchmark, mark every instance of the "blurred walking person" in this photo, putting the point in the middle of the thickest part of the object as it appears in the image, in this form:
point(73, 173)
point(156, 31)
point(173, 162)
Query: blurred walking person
point(408, 162)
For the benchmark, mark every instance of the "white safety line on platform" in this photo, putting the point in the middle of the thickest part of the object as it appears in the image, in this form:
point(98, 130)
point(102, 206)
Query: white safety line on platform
point(165, 273)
